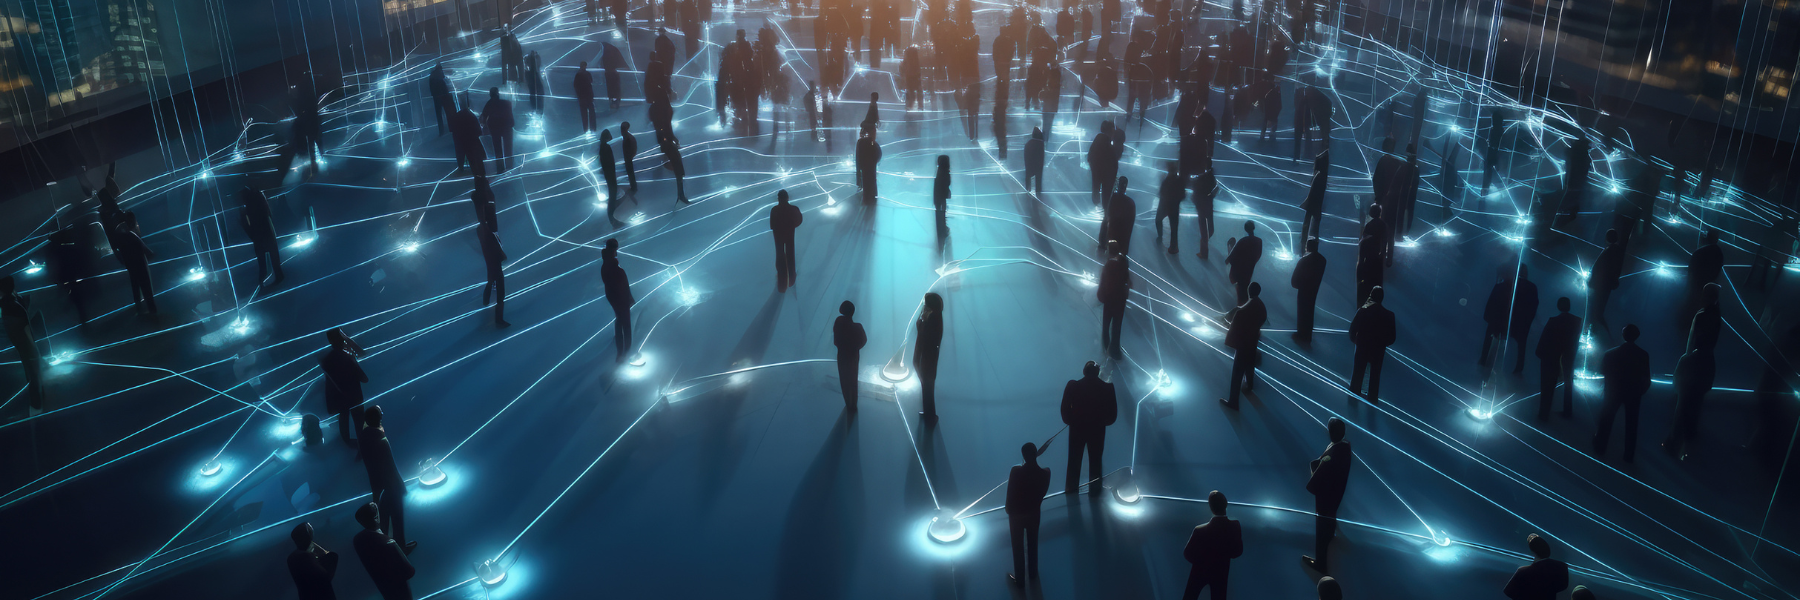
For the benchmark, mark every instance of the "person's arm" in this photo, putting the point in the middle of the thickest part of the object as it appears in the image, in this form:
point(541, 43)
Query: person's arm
point(1236, 549)
point(1192, 550)
point(398, 560)
point(1110, 403)
point(328, 560)
point(1514, 586)
point(1068, 403)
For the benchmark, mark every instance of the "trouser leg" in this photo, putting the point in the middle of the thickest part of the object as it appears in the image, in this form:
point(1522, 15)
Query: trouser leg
point(847, 366)
point(1325, 528)
point(622, 330)
point(1017, 527)
point(1096, 446)
point(1358, 363)
point(1072, 481)
point(1375, 363)
point(1548, 372)
point(1631, 427)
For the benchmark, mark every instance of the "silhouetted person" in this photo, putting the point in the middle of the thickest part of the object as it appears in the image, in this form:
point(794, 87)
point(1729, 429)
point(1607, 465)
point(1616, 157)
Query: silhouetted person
point(1387, 169)
point(385, 481)
point(1604, 277)
point(465, 131)
point(1314, 205)
point(443, 105)
point(311, 566)
point(1556, 349)
point(872, 119)
point(1694, 376)
point(848, 336)
point(618, 294)
point(1524, 311)
point(1372, 330)
point(1102, 163)
point(868, 158)
point(1626, 373)
point(1114, 292)
point(1089, 405)
point(609, 170)
point(1025, 489)
point(928, 337)
point(1708, 322)
point(1581, 592)
point(1210, 550)
point(18, 332)
point(628, 146)
point(1119, 218)
point(1707, 261)
point(1309, 274)
point(1496, 314)
point(784, 218)
point(1491, 151)
point(940, 188)
point(1206, 189)
point(534, 80)
point(1168, 205)
point(494, 256)
point(343, 383)
point(259, 225)
point(1242, 260)
point(584, 97)
point(1543, 579)
point(1034, 162)
point(1329, 589)
point(382, 557)
point(132, 252)
point(1242, 333)
point(497, 116)
point(1379, 234)
point(671, 149)
point(1330, 475)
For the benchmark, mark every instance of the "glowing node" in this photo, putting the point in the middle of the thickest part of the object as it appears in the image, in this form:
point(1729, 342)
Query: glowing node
point(638, 359)
point(895, 370)
point(946, 528)
point(61, 357)
point(1283, 255)
point(305, 239)
point(1163, 383)
point(409, 247)
point(545, 153)
point(1187, 316)
point(1523, 220)
point(430, 475)
point(1615, 189)
point(211, 468)
point(34, 268)
point(491, 572)
point(1087, 279)
point(688, 296)
point(1127, 491)
point(1455, 129)
point(381, 125)
point(1481, 415)
point(1446, 233)
point(196, 274)
point(830, 201)
point(241, 326)
point(206, 174)
point(1440, 538)
point(403, 162)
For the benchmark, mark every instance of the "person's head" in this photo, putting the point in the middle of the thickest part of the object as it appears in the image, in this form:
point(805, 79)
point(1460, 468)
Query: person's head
point(494, 93)
point(740, 35)
point(1387, 145)
point(1412, 150)
point(369, 516)
point(1255, 290)
point(781, 197)
point(340, 340)
point(1249, 228)
point(1709, 294)
point(1374, 210)
point(934, 302)
point(1091, 369)
point(1312, 244)
point(847, 309)
point(1174, 167)
point(611, 245)
point(1376, 294)
point(1631, 332)
point(605, 136)
point(1216, 500)
point(943, 162)
point(373, 416)
point(302, 536)
point(1124, 184)
point(130, 219)
point(1524, 273)
point(1112, 247)
point(1329, 589)
point(1037, 134)
point(7, 285)
point(874, 96)
point(1612, 236)
point(1540, 547)
point(1106, 126)
point(584, 65)
point(1581, 592)
point(1712, 236)
point(1562, 304)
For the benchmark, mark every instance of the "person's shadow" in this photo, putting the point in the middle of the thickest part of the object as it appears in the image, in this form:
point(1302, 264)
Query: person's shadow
point(824, 526)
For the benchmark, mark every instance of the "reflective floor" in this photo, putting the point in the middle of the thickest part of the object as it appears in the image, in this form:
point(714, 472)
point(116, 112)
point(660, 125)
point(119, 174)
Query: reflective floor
point(167, 463)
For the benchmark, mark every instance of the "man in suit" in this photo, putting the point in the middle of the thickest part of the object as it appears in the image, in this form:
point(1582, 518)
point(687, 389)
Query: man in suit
point(385, 481)
point(1089, 405)
point(311, 566)
point(1330, 475)
point(849, 338)
point(1241, 335)
point(1387, 169)
point(628, 147)
point(487, 233)
point(1034, 161)
point(465, 131)
point(132, 252)
point(868, 159)
point(1626, 374)
point(1309, 274)
point(259, 224)
point(1694, 375)
point(1242, 261)
point(872, 119)
point(1025, 489)
point(18, 332)
point(1114, 293)
point(584, 97)
point(618, 294)
point(1524, 311)
point(1210, 549)
point(497, 116)
point(1118, 218)
point(1168, 204)
point(1708, 322)
point(1543, 579)
point(1372, 330)
point(382, 557)
point(784, 218)
point(443, 105)
point(1604, 277)
point(1205, 189)
point(1707, 261)
point(1314, 205)
point(1377, 234)
point(1556, 349)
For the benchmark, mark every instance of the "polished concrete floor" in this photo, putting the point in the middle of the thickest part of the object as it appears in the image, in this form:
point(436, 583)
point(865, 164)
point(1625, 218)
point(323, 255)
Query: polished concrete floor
point(725, 465)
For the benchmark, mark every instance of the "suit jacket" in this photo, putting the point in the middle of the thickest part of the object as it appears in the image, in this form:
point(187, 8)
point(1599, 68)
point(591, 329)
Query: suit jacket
point(1543, 579)
point(1213, 544)
point(618, 286)
point(497, 114)
point(784, 219)
point(584, 85)
point(1315, 195)
point(490, 246)
point(1121, 214)
point(848, 336)
point(1705, 265)
point(1373, 327)
point(440, 85)
point(1498, 306)
point(1605, 274)
point(1034, 156)
point(1626, 370)
point(1558, 339)
point(1243, 258)
point(378, 460)
point(465, 127)
point(608, 166)
point(1089, 405)
point(628, 147)
point(1386, 171)
point(1330, 475)
point(1309, 272)
point(1703, 331)
point(343, 380)
point(1524, 308)
point(1245, 329)
point(386, 563)
point(258, 223)
point(312, 574)
point(1025, 489)
point(1115, 281)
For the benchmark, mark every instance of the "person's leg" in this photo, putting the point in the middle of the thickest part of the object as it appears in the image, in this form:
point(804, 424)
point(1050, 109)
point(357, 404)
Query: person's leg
point(1017, 526)
point(631, 172)
point(622, 330)
point(1519, 361)
point(792, 269)
point(1072, 482)
point(1358, 362)
point(1194, 584)
point(262, 264)
point(847, 381)
point(1375, 362)
point(1096, 446)
point(1031, 546)
point(1609, 408)
point(1566, 372)
point(34, 379)
point(928, 391)
point(1324, 528)
point(143, 278)
point(781, 275)
point(1548, 370)
point(499, 278)
point(1631, 427)
point(1237, 377)
point(1175, 230)
point(394, 510)
point(1243, 291)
